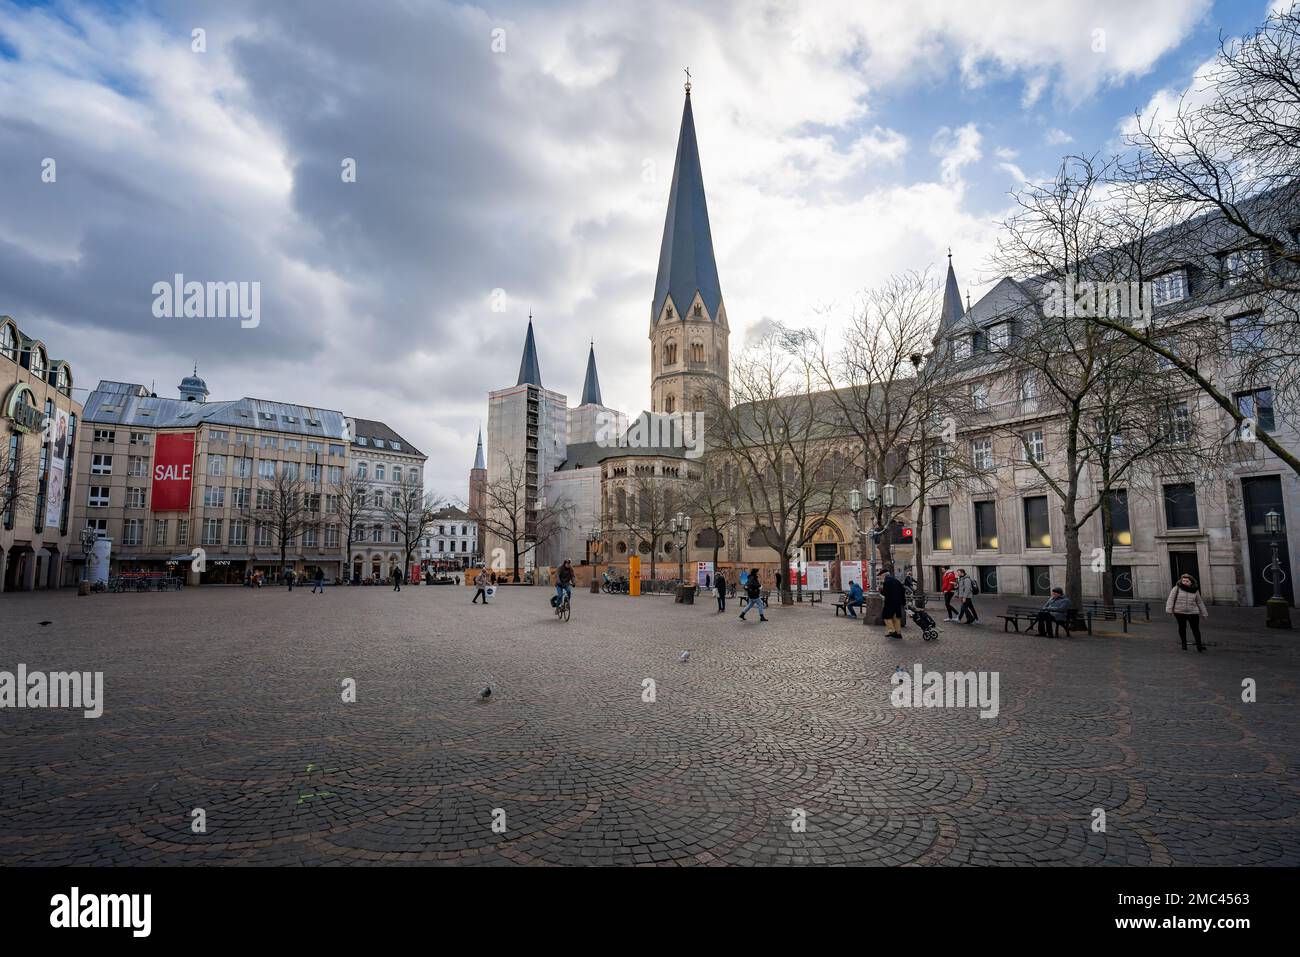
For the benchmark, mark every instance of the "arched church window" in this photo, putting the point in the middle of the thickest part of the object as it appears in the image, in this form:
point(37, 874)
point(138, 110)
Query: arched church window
point(699, 311)
point(697, 352)
point(670, 353)
point(670, 404)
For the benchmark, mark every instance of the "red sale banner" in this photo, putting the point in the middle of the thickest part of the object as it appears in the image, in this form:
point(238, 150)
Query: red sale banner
point(173, 472)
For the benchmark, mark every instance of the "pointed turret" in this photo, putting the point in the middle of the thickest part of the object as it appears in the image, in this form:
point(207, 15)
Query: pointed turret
point(952, 312)
point(591, 385)
point(479, 462)
point(686, 263)
point(529, 371)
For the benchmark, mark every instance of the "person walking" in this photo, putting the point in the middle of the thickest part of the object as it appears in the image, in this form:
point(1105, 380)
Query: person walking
point(949, 586)
point(319, 582)
point(1188, 607)
point(891, 589)
point(480, 584)
point(855, 599)
point(288, 578)
point(966, 592)
point(397, 578)
point(720, 585)
point(1054, 611)
point(753, 592)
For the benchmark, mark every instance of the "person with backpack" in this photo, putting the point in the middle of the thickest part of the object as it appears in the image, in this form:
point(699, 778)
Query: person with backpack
point(753, 592)
point(966, 592)
point(1188, 608)
point(949, 586)
point(319, 581)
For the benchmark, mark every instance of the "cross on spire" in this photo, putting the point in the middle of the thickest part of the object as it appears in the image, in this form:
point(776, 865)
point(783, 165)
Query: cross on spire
point(687, 71)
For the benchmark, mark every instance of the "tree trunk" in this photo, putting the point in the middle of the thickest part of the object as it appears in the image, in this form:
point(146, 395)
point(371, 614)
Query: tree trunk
point(514, 545)
point(1107, 574)
point(784, 590)
point(1073, 560)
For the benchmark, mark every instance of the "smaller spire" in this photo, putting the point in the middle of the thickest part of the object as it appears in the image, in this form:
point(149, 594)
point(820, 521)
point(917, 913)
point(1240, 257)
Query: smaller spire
point(529, 370)
point(479, 462)
point(591, 386)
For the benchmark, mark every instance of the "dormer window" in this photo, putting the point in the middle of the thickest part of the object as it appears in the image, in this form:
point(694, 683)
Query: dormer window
point(1240, 264)
point(1169, 287)
point(961, 348)
point(8, 342)
point(999, 336)
point(37, 367)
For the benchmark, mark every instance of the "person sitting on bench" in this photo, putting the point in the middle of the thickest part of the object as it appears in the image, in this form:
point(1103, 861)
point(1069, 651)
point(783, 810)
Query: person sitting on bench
point(853, 599)
point(1056, 609)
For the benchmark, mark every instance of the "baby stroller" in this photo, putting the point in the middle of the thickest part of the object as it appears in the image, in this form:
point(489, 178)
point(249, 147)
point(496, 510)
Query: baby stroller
point(923, 619)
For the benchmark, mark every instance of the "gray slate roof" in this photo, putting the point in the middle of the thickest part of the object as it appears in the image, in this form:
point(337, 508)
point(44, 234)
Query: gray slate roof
point(128, 403)
point(686, 263)
point(370, 429)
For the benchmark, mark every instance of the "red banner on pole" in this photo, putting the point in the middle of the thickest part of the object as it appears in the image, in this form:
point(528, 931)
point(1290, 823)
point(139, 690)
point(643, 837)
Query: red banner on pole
point(173, 472)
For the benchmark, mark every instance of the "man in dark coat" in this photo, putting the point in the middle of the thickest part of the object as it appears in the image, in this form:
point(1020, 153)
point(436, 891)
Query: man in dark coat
point(720, 583)
point(892, 611)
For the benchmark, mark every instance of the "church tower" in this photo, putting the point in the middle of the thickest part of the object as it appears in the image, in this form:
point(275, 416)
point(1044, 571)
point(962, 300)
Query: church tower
point(689, 355)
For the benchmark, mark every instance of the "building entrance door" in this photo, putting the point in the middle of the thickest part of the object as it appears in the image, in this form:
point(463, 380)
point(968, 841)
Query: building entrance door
point(1261, 496)
point(1184, 563)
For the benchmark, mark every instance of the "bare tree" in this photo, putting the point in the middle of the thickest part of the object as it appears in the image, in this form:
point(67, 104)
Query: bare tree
point(282, 504)
point(897, 404)
point(411, 511)
point(17, 482)
point(353, 492)
point(512, 515)
point(649, 513)
point(1224, 165)
point(1088, 406)
point(789, 462)
point(714, 500)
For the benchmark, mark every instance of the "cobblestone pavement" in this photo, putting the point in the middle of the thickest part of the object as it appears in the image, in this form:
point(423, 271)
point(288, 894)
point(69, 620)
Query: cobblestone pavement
point(229, 700)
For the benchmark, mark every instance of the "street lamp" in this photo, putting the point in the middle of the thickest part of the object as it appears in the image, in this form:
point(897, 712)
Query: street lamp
point(593, 542)
point(1279, 612)
point(681, 526)
point(87, 546)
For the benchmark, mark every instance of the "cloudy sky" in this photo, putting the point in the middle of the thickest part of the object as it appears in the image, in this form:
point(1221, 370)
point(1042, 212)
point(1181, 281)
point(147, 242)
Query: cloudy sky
point(517, 156)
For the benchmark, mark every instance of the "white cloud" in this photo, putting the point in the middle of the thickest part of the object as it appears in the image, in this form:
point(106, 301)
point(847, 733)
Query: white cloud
point(1057, 137)
point(955, 149)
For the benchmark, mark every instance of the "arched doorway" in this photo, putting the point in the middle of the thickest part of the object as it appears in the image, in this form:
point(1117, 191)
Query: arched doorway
point(826, 543)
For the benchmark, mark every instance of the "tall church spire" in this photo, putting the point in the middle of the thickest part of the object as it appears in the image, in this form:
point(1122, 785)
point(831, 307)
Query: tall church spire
point(686, 263)
point(952, 312)
point(479, 463)
point(591, 385)
point(529, 371)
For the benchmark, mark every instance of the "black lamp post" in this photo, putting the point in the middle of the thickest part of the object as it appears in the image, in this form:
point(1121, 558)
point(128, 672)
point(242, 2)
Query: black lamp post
point(1278, 611)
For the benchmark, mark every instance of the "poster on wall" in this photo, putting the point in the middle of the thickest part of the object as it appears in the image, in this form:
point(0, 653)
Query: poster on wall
point(851, 572)
point(704, 574)
point(816, 576)
point(56, 474)
point(173, 472)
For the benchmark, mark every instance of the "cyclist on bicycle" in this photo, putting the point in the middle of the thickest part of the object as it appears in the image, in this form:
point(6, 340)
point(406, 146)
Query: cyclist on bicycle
point(564, 583)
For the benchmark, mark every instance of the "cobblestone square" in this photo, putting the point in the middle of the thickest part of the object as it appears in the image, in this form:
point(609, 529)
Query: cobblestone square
point(230, 700)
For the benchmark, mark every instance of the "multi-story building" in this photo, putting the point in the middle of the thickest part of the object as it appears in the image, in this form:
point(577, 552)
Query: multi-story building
point(39, 543)
point(389, 466)
point(164, 478)
point(527, 430)
point(451, 541)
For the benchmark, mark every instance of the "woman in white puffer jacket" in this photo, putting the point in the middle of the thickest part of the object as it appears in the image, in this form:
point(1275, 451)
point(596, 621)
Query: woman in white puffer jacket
point(1188, 607)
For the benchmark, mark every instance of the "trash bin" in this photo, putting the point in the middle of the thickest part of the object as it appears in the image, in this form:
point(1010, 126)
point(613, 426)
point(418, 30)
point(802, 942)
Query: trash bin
point(686, 594)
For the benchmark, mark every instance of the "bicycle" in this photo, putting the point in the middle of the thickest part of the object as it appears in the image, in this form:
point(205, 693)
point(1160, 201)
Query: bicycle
point(562, 609)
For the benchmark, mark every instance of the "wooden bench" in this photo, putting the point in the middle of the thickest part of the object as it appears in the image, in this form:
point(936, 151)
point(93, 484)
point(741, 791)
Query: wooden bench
point(842, 606)
point(1074, 621)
